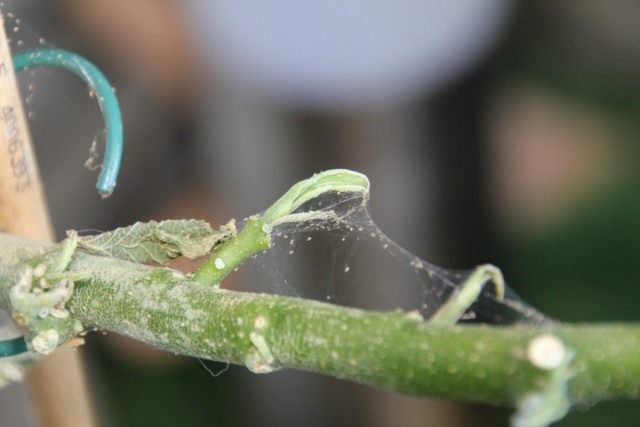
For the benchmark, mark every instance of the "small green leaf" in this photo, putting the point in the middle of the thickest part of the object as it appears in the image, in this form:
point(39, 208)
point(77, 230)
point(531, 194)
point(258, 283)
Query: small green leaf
point(330, 181)
point(158, 241)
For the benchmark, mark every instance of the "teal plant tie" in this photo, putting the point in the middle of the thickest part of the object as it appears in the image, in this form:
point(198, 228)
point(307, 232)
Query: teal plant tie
point(106, 99)
point(113, 123)
point(12, 347)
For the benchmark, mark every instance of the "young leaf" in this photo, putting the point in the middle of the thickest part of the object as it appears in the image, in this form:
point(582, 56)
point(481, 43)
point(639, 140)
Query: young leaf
point(158, 241)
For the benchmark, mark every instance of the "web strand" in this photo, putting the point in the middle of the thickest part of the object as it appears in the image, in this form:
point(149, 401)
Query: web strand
point(344, 258)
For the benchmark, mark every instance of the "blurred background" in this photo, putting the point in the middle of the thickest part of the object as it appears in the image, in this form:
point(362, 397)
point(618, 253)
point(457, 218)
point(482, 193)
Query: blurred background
point(501, 131)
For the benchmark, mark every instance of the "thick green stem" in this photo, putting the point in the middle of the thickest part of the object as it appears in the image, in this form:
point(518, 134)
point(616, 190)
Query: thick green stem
point(390, 350)
point(393, 350)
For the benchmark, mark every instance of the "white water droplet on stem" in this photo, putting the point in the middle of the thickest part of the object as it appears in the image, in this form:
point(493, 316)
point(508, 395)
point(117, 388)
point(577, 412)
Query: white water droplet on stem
point(219, 263)
point(546, 352)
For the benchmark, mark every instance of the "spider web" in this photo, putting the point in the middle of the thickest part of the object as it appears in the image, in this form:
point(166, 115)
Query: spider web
point(344, 258)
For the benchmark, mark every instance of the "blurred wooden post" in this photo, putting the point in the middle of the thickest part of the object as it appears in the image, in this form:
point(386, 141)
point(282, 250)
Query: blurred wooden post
point(57, 384)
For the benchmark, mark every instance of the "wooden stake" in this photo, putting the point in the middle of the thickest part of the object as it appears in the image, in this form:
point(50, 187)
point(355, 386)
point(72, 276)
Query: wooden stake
point(57, 384)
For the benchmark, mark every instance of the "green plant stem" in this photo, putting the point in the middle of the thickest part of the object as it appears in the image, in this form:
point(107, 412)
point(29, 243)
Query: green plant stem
point(393, 350)
point(254, 237)
point(229, 255)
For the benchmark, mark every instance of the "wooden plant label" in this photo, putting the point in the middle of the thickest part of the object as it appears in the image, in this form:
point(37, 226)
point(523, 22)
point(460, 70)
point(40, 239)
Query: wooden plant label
point(57, 384)
point(23, 208)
